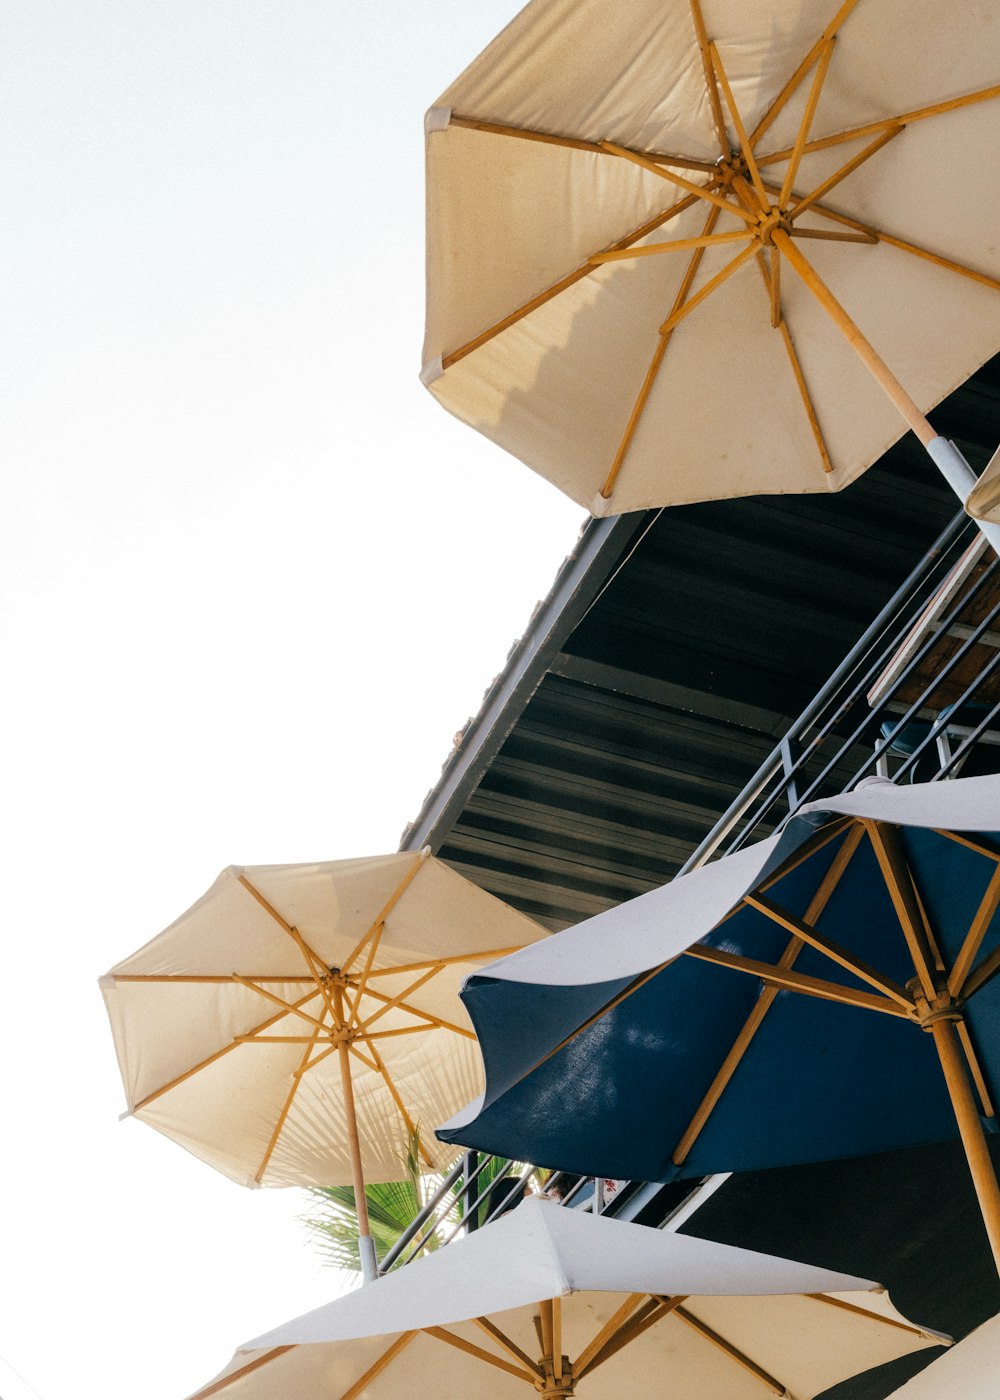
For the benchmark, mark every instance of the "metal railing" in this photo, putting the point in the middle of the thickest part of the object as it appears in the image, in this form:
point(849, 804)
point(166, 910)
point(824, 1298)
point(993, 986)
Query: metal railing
point(917, 680)
point(848, 733)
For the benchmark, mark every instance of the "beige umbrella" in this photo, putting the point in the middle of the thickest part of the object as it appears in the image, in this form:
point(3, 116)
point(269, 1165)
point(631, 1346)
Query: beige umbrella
point(984, 499)
point(969, 1371)
point(300, 1022)
point(660, 235)
point(560, 1303)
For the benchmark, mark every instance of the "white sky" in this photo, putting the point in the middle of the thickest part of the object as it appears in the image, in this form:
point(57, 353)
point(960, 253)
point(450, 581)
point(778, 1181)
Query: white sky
point(254, 581)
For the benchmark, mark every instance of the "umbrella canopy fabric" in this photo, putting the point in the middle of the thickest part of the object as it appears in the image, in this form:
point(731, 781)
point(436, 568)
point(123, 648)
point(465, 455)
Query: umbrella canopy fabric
point(969, 1371)
point(794, 1002)
point(651, 228)
point(984, 500)
point(620, 1309)
point(231, 1026)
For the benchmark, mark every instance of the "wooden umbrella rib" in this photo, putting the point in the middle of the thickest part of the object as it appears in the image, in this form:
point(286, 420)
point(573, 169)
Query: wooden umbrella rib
point(806, 397)
point(390, 1003)
point(937, 259)
point(397, 1099)
point(243, 1371)
point(646, 250)
point(443, 1335)
point(791, 86)
point(575, 143)
point(876, 366)
point(804, 930)
point(746, 147)
point(978, 844)
point(353, 991)
point(289, 1006)
point(509, 1346)
point(386, 910)
point(425, 1028)
point(810, 847)
point(770, 277)
point(276, 1039)
point(731, 1351)
point(899, 882)
point(766, 999)
point(829, 236)
point(211, 979)
point(218, 1054)
point(389, 1355)
point(979, 976)
point(919, 114)
point(865, 1312)
point(610, 1327)
point(323, 1055)
point(313, 961)
point(706, 192)
point(655, 1311)
point(977, 932)
point(638, 408)
point(285, 1109)
point(796, 981)
point(362, 1057)
point(490, 955)
point(424, 1015)
point(819, 77)
point(538, 1331)
point(711, 84)
point(545, 1320)
point(828, 213)
point(634, 986)
point(675, 317)
point(564, 283)
point(843, 171)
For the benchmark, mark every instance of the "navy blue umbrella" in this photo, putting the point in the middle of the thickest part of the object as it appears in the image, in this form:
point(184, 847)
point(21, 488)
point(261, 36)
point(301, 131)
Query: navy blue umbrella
point(827, 993)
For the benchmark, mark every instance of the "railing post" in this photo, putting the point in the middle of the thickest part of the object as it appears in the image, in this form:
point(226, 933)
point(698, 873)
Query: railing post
point(470, 1213)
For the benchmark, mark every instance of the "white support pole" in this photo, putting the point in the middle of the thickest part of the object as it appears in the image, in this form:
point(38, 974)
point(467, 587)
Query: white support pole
point(961, 478)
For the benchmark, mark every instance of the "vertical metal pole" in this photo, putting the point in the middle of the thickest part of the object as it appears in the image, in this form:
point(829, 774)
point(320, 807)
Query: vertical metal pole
point(470, 1213)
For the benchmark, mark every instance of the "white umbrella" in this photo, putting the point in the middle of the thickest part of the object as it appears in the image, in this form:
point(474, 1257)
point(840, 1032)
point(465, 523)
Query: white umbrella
point(560, 1302)
point(660, 234)
point(300, 1022)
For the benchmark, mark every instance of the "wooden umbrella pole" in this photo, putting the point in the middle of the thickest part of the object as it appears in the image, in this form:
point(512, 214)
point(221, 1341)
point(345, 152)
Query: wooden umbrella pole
point(944, 454)
point(970, 1128)
point(366, 1245)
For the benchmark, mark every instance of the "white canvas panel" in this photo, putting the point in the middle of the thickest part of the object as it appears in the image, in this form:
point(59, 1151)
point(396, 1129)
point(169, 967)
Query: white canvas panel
point(542, 1251)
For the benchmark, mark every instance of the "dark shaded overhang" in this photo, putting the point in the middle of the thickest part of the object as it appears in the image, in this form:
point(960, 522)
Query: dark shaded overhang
point(672, 652)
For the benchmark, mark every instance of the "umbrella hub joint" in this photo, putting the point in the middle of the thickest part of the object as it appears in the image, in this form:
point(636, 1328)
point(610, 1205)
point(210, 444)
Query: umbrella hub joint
point(769, 222)
point(929, 1010)
point(563, 1388)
